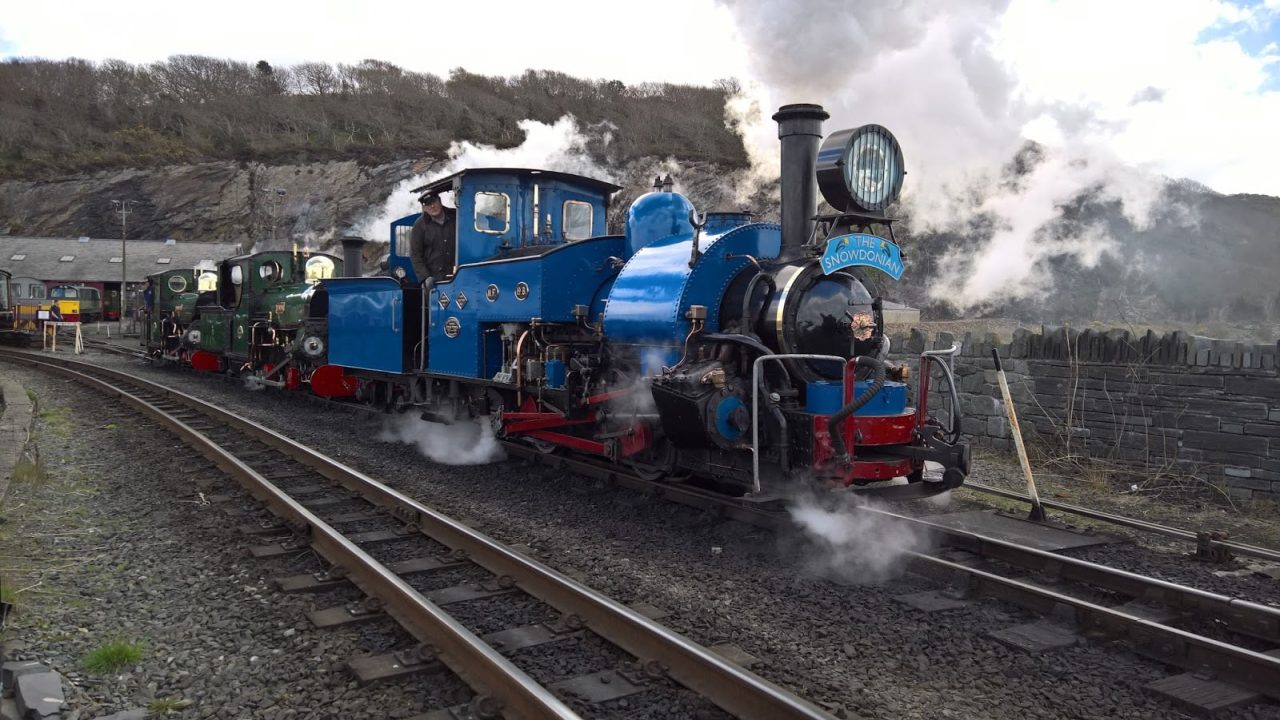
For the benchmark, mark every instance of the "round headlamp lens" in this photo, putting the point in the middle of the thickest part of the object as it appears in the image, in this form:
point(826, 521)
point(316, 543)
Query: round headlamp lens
point(870, 170)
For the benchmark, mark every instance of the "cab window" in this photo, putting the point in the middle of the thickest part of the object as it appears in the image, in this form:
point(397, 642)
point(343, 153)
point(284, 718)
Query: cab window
point(37, 291)
point(576, 221)
point(403, 234)
point(237, 284)
point(177, 283)
point(319, 268)
point(493, 212)
point(207, 282)
point(270, 271)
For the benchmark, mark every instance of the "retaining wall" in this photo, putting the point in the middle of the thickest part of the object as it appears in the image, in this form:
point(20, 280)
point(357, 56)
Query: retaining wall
point(1173, 404)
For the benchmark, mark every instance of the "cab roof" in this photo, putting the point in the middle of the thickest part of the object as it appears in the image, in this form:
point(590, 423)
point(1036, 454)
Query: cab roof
point(448, 182)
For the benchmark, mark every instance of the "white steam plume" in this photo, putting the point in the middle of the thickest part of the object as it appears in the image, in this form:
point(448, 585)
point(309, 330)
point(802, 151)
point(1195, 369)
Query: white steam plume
point(561, 147)
point(463, 443)
point(932, 72)
point(853, 546)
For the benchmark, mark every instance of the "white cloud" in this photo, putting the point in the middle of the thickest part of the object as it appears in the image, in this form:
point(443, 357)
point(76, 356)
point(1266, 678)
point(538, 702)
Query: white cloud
point(1212, 117)
point(663, 40)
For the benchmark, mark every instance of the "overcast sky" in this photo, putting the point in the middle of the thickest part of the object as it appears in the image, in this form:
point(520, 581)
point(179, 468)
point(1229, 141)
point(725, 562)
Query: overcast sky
point(1187, 88)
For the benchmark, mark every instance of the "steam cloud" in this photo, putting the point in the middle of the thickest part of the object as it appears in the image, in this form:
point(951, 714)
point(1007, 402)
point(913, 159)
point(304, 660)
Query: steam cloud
point(463, 443)
point(854, 547)
point(561, 146)
point(932, 72)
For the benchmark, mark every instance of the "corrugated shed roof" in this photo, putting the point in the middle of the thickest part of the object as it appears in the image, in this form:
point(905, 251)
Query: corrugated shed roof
point(92, 260)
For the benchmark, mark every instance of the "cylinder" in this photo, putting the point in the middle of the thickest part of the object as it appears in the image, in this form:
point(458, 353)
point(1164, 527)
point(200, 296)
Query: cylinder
point(353, 256)
point(800, 130)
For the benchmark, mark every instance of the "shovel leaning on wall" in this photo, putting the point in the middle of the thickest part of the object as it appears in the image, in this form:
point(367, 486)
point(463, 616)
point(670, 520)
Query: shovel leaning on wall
point(1037, 511)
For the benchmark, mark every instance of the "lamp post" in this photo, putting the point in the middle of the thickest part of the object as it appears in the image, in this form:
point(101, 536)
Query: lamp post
point(274, 197)
point(124, 207)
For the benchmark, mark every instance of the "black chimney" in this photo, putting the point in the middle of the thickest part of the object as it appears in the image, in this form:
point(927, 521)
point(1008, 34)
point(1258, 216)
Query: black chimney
point(353, 256)
point(800, 129)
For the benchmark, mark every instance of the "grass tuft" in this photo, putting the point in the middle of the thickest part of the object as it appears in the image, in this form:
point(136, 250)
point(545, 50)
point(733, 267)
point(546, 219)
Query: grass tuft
point(27, 471)
point(59, 421)
point(113, 656)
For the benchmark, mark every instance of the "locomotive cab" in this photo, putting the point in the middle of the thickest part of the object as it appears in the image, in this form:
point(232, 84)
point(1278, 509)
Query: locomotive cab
point(262, 302)
point(507, 213)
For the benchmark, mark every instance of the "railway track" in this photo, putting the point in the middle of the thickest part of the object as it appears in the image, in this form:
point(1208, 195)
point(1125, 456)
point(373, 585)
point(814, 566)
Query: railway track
point(1225, 634)
point(114, 348)
point(343, 515)
point(1207, 544)
point(1143, 611)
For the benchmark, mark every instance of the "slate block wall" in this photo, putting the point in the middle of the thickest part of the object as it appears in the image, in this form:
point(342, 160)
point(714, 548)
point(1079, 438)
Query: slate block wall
point(1174, 403)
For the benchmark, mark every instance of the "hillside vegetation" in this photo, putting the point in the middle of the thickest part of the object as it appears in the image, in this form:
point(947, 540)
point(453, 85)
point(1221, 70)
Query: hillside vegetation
point(69, 116)
point(205, 147)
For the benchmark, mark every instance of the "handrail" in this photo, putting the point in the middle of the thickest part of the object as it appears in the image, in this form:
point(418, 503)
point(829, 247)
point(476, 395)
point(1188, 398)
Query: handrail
point(755, 403)
point(948, 371)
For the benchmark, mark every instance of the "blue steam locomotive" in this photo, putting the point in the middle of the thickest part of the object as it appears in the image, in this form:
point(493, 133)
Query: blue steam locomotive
point(739, 353)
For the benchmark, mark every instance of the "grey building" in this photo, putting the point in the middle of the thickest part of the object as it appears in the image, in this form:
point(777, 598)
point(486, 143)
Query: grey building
point(98, 262)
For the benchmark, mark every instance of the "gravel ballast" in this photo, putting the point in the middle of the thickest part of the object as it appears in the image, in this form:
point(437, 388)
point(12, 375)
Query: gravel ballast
point(113, 544)
point(849, 646)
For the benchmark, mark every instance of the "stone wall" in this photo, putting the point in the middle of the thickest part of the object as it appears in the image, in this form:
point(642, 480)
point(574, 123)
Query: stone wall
point(1173, 405)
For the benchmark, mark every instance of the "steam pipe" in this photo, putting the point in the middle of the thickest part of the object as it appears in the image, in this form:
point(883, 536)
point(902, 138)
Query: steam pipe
point(800, 130)
point(518, 378)
point(748, 326)
point(697, 223)
point(775, 412)
point(833, 423)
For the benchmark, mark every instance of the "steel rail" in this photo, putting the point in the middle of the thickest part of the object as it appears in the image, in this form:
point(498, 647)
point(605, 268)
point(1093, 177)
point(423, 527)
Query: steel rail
point(1235, 547)
point(1237, 614)
point(1243, 616)
point(478, 664)
point(727, 685)
point(1257, 671)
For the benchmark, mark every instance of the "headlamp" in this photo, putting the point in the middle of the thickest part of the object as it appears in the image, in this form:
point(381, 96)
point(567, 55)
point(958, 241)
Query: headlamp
point(399, 273)
point(861, 170)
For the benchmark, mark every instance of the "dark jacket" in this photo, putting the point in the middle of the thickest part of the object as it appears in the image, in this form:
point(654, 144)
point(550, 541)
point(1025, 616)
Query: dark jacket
point(432, 248)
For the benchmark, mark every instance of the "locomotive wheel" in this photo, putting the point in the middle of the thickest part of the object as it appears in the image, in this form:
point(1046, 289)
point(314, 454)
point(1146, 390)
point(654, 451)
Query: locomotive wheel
point(655, 463)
